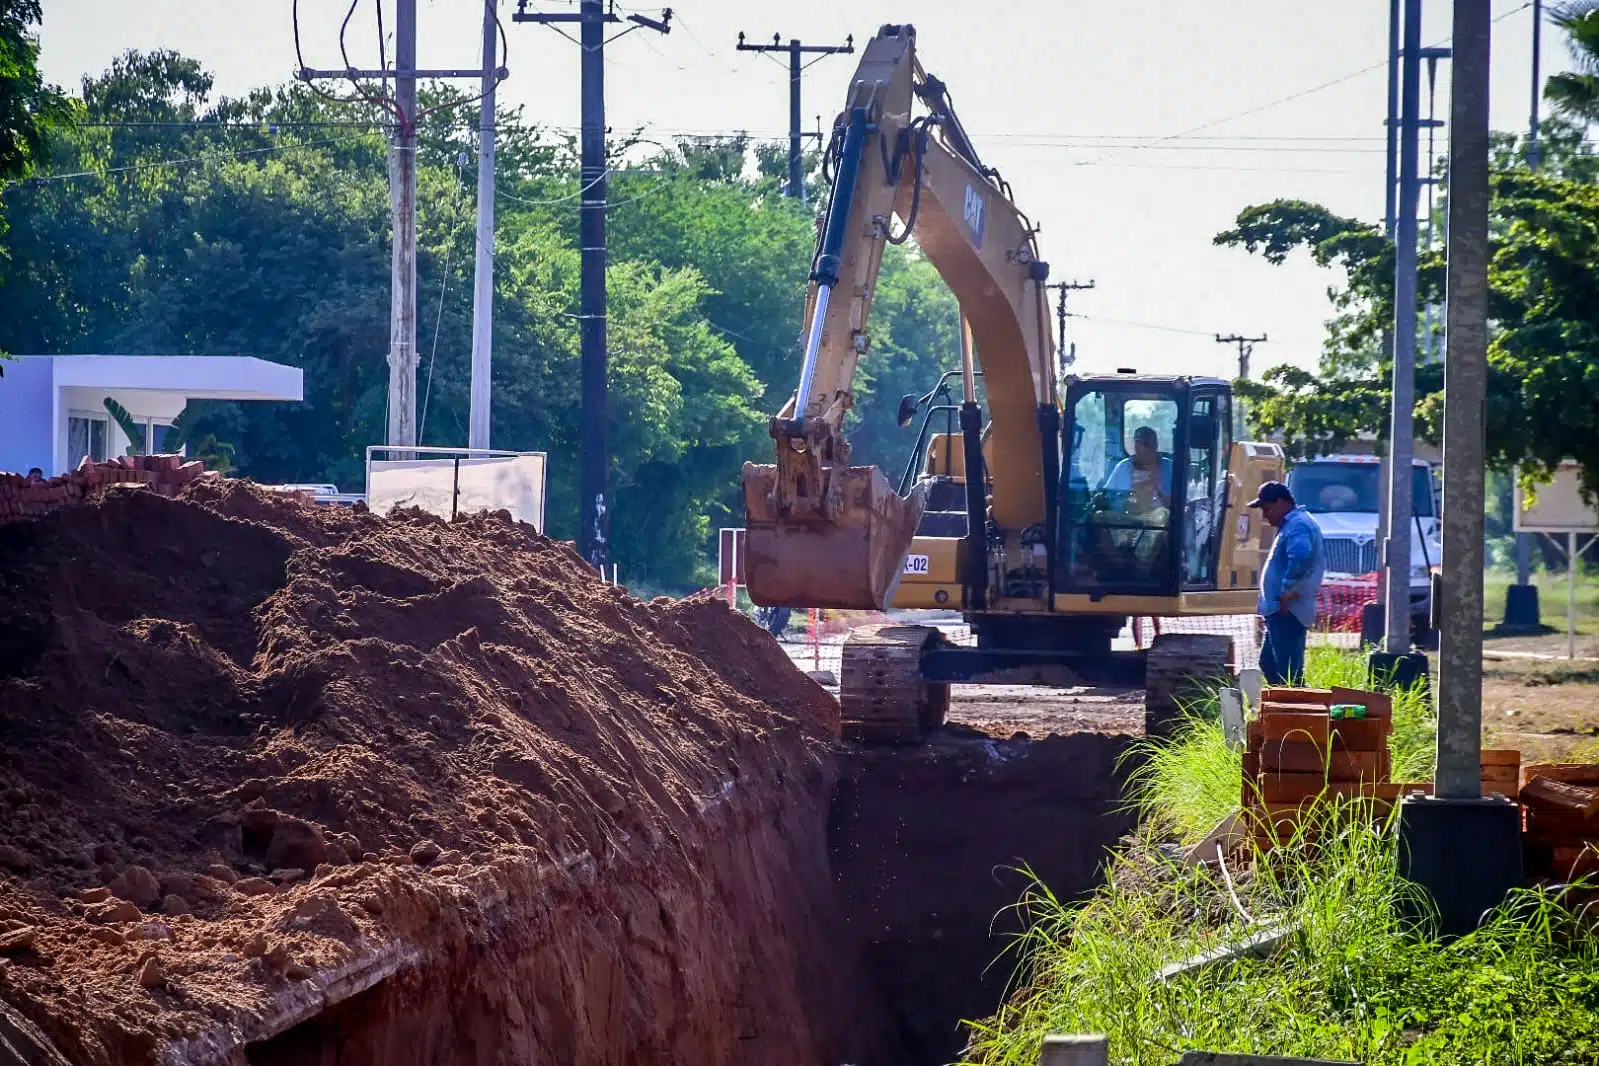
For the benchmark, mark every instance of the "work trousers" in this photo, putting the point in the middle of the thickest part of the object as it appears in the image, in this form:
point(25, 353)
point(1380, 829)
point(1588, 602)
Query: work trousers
point(1282, 655)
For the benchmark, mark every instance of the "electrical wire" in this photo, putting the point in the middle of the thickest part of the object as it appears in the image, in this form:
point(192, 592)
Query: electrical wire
point(1142, 325)
point(385, 103)
point(150, 164)
point(438, 319)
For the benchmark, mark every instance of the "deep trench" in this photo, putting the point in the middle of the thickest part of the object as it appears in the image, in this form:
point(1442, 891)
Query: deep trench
point(909, 900)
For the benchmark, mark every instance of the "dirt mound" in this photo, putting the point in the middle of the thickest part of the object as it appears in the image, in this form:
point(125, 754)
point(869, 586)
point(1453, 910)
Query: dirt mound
point(251, 748)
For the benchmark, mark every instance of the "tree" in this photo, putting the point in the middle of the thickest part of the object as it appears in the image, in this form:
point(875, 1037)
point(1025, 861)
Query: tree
point(1575, 93)
point(1544, 351)
point(29, 109)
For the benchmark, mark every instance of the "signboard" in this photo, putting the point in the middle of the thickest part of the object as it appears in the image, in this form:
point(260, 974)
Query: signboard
point(1556, 507)
point(916, 564)
point(730, 557)
point(456, 481)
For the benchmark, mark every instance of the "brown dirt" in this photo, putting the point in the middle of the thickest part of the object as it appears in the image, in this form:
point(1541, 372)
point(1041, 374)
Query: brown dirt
point(1548, 708)
point(933, 846)
point(533, 819)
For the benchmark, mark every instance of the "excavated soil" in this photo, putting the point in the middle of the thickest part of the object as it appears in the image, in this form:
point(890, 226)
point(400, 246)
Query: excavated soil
point(285, 784)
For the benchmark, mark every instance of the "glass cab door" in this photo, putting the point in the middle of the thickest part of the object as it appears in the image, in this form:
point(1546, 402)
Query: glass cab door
point(1209, 429)
point(1120, 491)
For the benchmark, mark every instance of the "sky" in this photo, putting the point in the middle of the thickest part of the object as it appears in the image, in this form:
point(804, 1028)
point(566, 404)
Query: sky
point(1132, 133)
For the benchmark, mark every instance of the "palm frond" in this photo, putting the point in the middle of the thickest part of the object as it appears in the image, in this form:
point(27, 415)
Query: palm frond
point(129, 426)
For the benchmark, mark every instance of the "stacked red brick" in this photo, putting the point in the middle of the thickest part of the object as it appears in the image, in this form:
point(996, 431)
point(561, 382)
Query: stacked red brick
point(1297, 752)
point(1560, 802)
point(23, 499)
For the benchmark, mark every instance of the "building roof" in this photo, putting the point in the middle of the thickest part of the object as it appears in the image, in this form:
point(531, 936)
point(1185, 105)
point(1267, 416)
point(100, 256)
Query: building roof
point(196, 377)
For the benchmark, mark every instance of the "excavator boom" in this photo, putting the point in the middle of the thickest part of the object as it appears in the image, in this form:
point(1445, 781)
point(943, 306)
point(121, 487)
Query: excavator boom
point(822, 533)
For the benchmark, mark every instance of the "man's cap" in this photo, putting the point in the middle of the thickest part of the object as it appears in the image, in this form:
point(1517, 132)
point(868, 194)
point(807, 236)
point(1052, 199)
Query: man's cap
point(1271, 492)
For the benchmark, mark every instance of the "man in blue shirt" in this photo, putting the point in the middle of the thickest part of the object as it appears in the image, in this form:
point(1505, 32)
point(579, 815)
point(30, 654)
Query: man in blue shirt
point(1289, 586)
point(1145, 476)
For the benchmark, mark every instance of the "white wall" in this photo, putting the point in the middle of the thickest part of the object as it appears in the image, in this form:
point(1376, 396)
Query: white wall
point(27, 412)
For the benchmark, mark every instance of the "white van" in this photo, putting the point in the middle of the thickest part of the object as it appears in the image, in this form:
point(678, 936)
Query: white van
point(1342, 493)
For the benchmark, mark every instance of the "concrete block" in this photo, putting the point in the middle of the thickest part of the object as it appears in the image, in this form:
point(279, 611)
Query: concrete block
point(1074, 1050)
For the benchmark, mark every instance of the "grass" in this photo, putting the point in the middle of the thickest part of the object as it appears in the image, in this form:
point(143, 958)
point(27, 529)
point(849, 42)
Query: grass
point(1360, 978)
point(1356, 980)
point(1552, 594)
point(1190, 785)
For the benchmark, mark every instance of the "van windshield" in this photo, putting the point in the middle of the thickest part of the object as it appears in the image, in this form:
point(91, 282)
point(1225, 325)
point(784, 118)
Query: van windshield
point(1356, 488)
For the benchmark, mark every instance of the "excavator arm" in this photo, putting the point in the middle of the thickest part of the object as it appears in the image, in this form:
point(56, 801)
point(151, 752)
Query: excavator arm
point(822, 533)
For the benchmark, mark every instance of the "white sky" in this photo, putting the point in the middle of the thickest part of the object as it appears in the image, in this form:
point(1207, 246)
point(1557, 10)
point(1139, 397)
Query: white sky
point(1077, 102)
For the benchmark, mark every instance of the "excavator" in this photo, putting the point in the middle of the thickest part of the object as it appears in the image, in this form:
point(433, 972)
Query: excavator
point(1077, 502)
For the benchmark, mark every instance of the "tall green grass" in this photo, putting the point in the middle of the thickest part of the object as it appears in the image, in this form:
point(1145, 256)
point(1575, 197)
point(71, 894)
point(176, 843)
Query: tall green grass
point(1359, 977)
point(1193, 782)
point(1355, 979)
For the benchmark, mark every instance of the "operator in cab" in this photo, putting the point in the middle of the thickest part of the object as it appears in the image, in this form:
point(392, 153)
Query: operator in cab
point(1289, 587)
point(1145, 476)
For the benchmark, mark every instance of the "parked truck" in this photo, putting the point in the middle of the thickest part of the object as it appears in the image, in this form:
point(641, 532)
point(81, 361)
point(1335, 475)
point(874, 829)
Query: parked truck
point(1343, 494)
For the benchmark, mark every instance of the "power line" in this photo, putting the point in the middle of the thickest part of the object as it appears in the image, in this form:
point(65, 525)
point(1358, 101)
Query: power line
point(796, 133)
point(1142, 325)
point(151, 164)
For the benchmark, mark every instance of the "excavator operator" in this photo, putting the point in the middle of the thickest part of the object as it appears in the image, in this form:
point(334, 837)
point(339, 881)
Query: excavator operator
point(1144, 477)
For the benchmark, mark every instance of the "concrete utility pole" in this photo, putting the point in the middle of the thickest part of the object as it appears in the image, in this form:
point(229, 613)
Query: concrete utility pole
point(1533, 157)
point(795, 50)
point(1246, 348)
point(1465, 404)
point(1396, 553)
point(1068, 356)
point(1521, 603)
point(483, 275)
point(594, 531)
point(1464, 850)
point(402, 202)
point(402, 206)
point(1392, 120)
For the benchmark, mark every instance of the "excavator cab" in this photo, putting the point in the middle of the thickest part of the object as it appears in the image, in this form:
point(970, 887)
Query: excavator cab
point(1144, 488)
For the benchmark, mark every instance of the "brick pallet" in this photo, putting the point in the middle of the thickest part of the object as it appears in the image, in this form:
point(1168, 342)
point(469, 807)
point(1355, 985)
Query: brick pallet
point(1560, 820)
point(22, 500)
point(1297, 753)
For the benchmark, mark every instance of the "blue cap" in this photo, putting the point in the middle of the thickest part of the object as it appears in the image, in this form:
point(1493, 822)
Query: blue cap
point(1271, 492)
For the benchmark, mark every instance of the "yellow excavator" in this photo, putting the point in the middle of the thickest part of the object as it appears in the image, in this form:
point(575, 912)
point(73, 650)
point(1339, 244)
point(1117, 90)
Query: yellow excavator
point(1081, 502)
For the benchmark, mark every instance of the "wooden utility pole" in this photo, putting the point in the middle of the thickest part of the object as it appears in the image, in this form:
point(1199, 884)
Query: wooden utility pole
point(1068, 355)
point(796, 50)
point(594, 530)
point(1246, 348)
point(402, 426)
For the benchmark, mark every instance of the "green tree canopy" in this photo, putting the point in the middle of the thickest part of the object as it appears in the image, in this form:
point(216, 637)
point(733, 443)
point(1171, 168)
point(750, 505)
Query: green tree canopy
point(259, 225)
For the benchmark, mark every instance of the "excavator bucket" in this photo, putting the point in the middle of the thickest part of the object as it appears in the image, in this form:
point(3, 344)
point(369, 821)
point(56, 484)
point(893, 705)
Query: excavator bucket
point(851, 561)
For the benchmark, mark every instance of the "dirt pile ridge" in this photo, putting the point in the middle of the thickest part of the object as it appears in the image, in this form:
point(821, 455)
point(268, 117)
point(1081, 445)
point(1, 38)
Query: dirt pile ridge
point(259, 757)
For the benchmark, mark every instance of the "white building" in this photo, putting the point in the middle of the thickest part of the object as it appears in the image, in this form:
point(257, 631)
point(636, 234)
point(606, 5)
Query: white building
point(54, 413)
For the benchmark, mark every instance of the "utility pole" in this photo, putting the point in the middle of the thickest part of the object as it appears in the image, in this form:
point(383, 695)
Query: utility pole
point(1396, 548)
point(1533, 157)
point(1246, 348)
point(1392, 120)
point(796, 166)
point(483, 275)
point(402, 202)
point(402, 206)
point(1068, 356)
point(1522, 610)
point(594, 530)
point(1465, 851)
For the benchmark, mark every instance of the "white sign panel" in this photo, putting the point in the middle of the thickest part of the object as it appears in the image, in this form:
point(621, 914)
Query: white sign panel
point(1556, 507)
point(915, 564)
point(451, 486)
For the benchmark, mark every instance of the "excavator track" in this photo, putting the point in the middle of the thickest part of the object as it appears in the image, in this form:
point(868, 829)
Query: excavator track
point(882, 697)
point(1177, 669)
